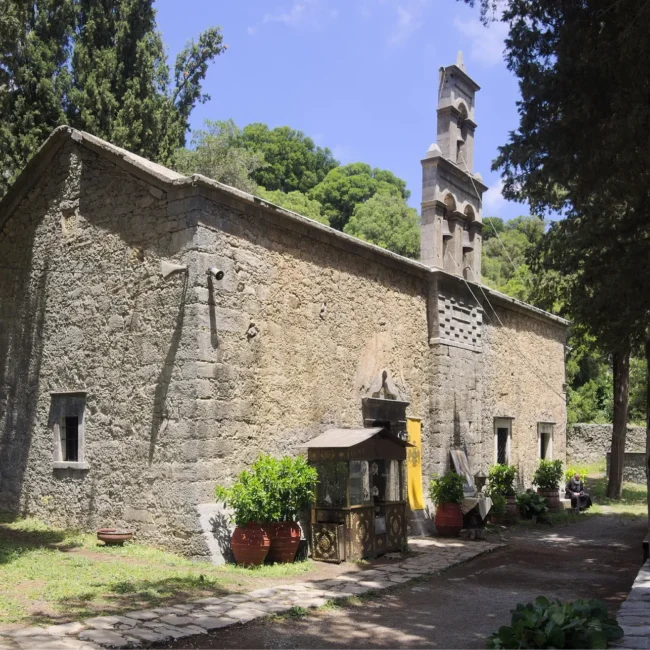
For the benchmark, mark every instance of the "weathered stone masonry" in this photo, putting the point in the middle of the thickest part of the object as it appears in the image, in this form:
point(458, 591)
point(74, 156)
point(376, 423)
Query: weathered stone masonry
point(187, 378)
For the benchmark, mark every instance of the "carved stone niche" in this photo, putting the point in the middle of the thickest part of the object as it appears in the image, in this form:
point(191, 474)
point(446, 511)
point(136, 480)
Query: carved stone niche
point(385, 407)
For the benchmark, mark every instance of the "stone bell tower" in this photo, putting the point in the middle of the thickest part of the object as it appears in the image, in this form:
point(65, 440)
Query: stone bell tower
point(451, 192)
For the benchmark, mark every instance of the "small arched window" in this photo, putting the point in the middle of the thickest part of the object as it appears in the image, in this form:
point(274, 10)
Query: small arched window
point(450, 203)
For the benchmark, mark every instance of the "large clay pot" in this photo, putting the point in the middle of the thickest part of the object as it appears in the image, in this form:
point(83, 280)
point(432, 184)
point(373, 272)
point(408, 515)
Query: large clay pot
point(449, 519)
point(113, 536)
point(512, 510)
point(285, 539)
point(552, 499)
point(250, 545)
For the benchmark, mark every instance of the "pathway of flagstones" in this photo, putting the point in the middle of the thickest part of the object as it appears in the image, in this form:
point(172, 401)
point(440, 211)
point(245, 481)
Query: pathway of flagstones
point(142, 628)
point(634, 615)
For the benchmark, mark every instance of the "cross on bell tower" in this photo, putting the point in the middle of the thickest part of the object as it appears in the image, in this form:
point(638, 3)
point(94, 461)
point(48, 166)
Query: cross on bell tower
point(451, 193)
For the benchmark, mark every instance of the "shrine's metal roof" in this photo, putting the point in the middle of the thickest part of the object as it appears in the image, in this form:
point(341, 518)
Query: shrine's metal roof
point(343, 438)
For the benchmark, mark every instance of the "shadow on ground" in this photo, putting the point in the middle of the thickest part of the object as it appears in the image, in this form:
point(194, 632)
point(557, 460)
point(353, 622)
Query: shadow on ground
point(14, 543)
point(593, 557)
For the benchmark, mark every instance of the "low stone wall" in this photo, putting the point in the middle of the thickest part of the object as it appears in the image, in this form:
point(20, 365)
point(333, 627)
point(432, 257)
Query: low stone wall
point(590, 443)
point(633, 466)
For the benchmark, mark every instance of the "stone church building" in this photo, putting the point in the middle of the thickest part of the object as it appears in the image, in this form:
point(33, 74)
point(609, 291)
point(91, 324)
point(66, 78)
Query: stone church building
point(157, 332)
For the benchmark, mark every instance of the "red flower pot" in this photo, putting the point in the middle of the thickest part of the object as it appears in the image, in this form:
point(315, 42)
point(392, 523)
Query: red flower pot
point(449, 519)
point(285, 539)
point(250, 545)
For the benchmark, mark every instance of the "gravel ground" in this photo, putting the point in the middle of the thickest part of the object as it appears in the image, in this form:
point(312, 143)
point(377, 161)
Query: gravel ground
point(596, 557)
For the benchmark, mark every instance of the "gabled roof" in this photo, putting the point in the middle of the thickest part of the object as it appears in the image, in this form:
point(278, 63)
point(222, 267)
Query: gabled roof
point(169, 180)
point(345, 438)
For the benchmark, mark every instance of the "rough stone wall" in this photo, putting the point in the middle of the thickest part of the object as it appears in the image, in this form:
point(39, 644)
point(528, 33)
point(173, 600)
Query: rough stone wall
point(94, 314)
point(291, 339)
point(590, 443)
point(522, 379)
point(188, 379)
point(633, 466)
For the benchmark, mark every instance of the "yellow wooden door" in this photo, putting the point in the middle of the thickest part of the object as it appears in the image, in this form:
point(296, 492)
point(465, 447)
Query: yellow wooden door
point(414, 462)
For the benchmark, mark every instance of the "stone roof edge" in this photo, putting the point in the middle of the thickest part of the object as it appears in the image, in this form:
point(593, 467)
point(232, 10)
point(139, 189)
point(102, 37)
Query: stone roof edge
point(32, 172)
point(304, 225)
point(36, 166)
point(509, 302)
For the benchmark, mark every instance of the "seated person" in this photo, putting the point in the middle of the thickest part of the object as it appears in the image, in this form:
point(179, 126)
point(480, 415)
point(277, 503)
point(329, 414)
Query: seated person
point(575, 490)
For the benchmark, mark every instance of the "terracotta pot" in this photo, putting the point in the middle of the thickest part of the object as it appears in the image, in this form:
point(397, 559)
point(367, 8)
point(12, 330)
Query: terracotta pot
point(285, 539)
point(552, 499)
point(113, 536)
point(449, 519)
point(250, 545)
point(497, 520)
point(512, 510)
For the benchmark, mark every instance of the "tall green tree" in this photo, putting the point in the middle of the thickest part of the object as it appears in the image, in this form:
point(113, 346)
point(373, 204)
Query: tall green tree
point(121, 88)
point(34, 48)
point(387, 221)
point(582, 147)
point(98, 65)
point(349, 185)
point(217, 154)
point(293, 161)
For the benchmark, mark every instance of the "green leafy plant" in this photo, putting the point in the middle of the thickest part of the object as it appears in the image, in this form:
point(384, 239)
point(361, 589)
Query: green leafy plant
point(447, 488)
point(572, 470)
point(553, 624)
point(272, 490)
point(532, 505)
point(501, 480)
point(499, 505)
point(294, 486)
point(548, 475)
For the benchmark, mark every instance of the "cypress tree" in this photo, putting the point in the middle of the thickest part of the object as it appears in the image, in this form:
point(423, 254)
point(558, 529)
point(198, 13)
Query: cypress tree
point(100, 66)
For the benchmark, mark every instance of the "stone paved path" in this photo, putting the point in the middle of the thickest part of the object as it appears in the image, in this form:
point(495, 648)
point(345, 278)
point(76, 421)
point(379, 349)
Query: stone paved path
point(142, 628)
point(634, 615)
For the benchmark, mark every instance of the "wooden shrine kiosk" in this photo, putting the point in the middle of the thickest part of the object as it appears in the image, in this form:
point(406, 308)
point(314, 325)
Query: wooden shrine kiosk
point(360, 508)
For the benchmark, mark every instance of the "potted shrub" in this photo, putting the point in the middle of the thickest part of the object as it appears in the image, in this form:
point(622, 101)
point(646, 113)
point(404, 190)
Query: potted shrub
point(292, 491)
point(268, 498)
point(498, 509)
point(447, 493)
point(547, 479)
point(501, 480)
point(249, 499)
point(532, 506)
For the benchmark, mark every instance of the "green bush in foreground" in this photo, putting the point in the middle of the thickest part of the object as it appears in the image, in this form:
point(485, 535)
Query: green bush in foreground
point(552, 624)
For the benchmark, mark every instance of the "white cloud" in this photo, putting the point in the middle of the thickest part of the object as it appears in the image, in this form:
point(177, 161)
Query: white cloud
point(493, 199)
point(300, 14)
point(486, 44)
point(409, 19)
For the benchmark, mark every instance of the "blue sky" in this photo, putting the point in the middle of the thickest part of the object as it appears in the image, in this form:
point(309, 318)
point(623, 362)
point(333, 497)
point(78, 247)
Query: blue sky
point(358, 76)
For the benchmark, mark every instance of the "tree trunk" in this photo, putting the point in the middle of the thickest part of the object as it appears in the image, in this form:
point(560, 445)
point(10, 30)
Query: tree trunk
point(621, 362)
point(647, 421)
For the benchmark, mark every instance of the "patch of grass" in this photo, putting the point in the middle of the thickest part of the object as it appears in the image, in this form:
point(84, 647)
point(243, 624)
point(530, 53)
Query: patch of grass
point(54, 576)
point(633, 500)
point(297, 612)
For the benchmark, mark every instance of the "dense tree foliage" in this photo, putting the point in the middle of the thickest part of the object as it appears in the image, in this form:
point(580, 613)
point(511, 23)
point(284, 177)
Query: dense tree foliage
point(293, 161)
point(505, 256)
point(98, 66)
point(296, 201)
point(34, 78)
point(216, 153)
point(386, 220)
point(347, 186)
point(582, 147)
